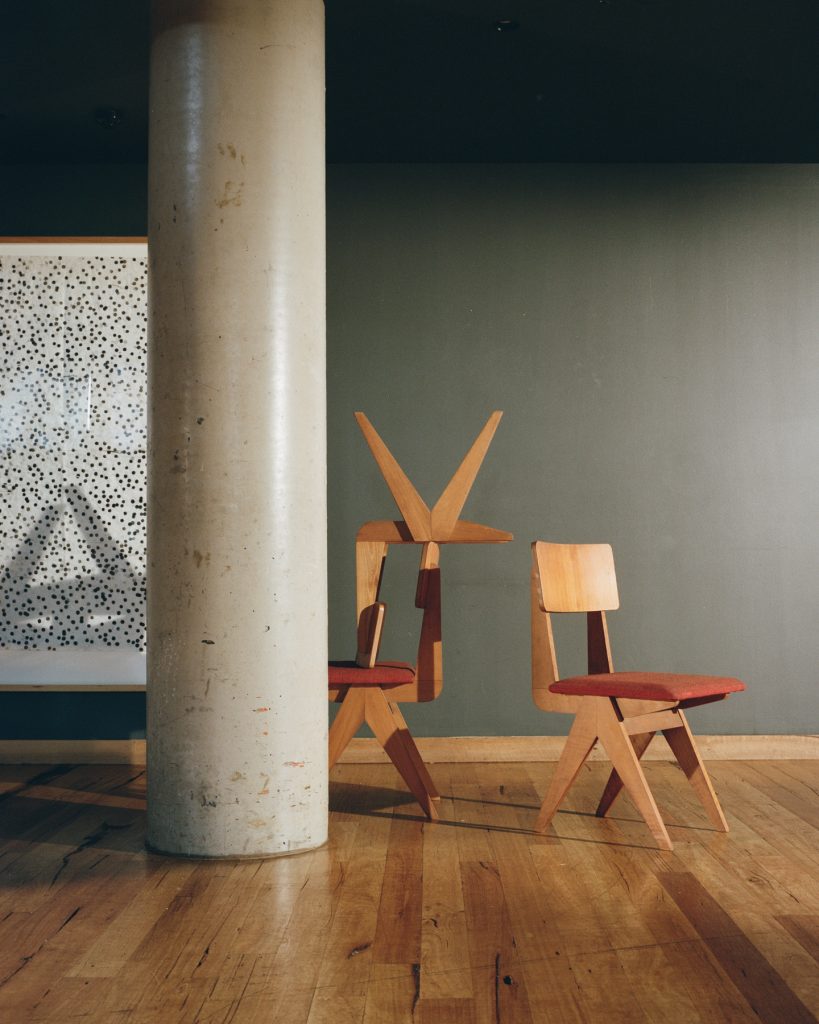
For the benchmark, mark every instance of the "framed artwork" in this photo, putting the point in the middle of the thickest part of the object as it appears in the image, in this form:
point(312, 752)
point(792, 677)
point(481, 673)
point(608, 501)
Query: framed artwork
point(73, 317)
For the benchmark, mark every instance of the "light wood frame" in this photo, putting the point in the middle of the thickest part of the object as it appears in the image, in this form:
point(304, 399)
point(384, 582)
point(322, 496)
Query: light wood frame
point(580, 578)
point(428, 527)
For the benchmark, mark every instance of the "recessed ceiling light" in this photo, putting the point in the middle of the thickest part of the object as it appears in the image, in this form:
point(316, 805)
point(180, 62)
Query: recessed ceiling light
point(506, 25)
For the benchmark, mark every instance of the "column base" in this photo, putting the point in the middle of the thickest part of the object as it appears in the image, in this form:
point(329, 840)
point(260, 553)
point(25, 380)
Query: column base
point(236, 856)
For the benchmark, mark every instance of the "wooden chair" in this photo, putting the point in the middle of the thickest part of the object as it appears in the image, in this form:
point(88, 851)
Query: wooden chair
point(369, 689)
point(623, 710)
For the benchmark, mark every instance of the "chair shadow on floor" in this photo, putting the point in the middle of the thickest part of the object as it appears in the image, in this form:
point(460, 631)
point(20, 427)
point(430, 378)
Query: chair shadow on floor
point(380, 802)
point(355, 798)
point(626, 818)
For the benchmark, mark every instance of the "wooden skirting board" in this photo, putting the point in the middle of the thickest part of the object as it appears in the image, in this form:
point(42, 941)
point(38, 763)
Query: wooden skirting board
point(440, 749)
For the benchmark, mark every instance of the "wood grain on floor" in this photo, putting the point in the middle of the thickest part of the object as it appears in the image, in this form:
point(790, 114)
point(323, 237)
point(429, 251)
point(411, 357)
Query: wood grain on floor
point(473, 919)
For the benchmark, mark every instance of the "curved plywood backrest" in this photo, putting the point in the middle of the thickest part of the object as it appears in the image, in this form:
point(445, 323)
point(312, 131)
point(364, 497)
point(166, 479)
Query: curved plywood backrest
point(370, 628)
point(575, 577)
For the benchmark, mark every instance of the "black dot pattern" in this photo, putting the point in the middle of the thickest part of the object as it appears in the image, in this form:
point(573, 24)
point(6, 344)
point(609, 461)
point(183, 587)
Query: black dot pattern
point(72, 451)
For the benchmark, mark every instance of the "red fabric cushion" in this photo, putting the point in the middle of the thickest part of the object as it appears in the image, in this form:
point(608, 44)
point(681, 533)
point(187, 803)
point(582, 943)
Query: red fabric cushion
point(647, 686)
point(385, 673)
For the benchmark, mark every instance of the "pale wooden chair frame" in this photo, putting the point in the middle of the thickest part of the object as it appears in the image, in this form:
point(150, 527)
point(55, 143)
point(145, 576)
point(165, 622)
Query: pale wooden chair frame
point(378, 705)
point(624, 727)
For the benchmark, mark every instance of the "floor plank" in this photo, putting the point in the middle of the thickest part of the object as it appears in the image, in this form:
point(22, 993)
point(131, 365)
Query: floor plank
point(399, 921)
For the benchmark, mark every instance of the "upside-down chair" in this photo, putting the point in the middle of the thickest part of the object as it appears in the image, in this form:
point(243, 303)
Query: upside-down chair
point(369, 689)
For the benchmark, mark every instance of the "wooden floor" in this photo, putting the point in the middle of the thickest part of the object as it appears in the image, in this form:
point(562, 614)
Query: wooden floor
point(474, 919)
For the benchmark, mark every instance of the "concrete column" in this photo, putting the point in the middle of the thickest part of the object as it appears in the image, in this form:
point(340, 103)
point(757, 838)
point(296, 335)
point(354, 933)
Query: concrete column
point(237, 645)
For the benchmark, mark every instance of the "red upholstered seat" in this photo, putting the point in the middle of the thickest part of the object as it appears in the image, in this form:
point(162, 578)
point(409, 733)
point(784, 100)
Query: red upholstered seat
point(384, 673)
point(663, 686)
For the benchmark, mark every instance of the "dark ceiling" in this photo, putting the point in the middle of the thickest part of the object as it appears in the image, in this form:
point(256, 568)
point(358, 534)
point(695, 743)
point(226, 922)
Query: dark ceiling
point(408, 80)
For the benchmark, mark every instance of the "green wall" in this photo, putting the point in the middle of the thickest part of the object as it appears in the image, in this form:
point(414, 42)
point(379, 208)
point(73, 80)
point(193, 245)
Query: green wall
point(651, 335)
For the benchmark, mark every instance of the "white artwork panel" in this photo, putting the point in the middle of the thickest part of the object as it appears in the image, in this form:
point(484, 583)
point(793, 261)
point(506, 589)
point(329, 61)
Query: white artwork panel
point(72, 445)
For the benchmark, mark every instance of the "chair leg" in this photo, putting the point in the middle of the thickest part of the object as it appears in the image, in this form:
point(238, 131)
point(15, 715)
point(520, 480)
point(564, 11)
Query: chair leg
point(388, 732)
point(414, 753)
point(614, 786)
point(685, 750)
point(579, 743)
point(346, 723)
point(624, 759)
